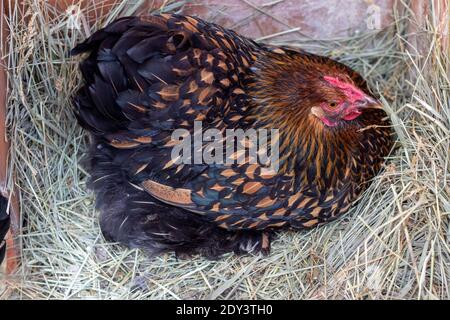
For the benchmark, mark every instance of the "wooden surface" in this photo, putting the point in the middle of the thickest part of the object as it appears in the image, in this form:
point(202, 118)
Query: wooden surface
point(262, 18)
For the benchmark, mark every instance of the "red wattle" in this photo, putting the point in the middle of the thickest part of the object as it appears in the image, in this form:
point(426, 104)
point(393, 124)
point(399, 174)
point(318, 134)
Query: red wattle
point(351, 115)
point(328, 122)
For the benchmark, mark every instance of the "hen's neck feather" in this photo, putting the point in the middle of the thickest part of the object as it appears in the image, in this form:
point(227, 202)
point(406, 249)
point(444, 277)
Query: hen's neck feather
point(282, 93)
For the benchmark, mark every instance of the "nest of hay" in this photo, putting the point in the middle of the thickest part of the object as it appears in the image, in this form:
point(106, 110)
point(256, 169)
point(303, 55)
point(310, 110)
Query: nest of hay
point(394, 244)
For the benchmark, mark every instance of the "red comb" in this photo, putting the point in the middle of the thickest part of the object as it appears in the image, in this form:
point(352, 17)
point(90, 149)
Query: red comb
point(353, 93)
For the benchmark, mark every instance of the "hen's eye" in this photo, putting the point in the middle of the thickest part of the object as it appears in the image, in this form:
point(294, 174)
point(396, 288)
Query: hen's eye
point(333, 104)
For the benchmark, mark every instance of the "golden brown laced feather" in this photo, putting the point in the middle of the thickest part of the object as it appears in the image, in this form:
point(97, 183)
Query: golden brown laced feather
point(145, 77)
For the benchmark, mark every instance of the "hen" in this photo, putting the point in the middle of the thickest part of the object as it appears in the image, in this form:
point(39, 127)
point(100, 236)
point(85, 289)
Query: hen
point(146, 77)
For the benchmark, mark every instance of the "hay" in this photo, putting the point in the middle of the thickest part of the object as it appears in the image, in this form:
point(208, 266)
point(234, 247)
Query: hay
point(393, 244)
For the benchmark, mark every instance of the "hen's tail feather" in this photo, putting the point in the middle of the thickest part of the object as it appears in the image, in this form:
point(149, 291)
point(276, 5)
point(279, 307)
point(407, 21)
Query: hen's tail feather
point(104, 76)
point(118, 27)
point(131, 216)
point(119, 61)
point(4, 226)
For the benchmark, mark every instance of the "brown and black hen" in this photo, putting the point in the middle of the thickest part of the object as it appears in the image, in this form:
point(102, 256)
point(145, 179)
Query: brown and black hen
point(145, 77)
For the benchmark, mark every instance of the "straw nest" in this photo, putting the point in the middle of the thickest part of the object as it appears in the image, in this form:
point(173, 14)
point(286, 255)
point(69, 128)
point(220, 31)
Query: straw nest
point(393, 244)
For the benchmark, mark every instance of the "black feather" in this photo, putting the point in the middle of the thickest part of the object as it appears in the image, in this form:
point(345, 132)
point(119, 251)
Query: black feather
point(4, 226)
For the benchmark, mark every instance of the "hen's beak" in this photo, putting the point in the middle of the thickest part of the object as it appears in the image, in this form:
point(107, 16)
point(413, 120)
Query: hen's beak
point(369, 102)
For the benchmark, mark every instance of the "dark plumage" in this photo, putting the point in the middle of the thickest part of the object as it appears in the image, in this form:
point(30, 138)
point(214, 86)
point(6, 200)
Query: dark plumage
point(4, 226)
point(144, 77)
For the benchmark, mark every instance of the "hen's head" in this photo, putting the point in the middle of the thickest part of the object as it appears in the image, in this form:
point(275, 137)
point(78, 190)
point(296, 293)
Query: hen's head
point(291, 89)
point(339, 100)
